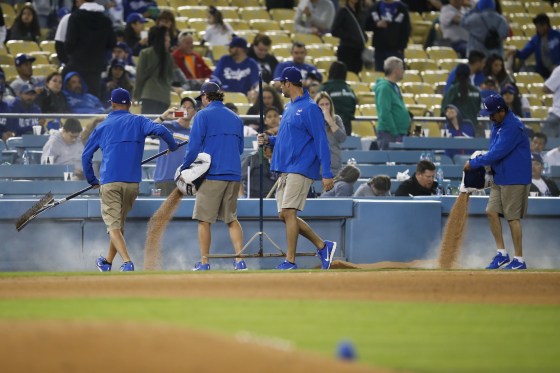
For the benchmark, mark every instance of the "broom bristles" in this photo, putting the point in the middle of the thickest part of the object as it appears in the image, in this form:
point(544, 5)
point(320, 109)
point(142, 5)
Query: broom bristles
point(453, 232)
point(44, 201)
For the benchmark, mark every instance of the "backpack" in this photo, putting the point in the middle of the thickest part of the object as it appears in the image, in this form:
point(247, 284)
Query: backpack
point(492, 39)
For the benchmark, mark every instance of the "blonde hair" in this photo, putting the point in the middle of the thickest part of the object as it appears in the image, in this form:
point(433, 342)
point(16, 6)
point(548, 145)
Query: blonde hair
point(321, 95)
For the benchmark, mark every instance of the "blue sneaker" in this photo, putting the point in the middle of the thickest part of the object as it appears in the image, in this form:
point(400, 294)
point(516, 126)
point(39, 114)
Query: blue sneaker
point(327, 254)
point(240, 265)
point(127, 267)
point(102, 264)
point(516, 264)
point(498, 261)
point(201, 267)
point(286, 266)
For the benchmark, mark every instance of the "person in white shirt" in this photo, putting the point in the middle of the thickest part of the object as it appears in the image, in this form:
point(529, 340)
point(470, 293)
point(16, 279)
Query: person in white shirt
point(450, 21)
point(551, 124)
point(314, 17)
point(543, 186)
point(65, 147)
point(217, 32)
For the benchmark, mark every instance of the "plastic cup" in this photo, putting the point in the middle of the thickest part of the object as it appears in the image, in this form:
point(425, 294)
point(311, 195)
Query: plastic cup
point(156, 192)
point(37, 130)
point(425, 132)
point(443, 132)
point(255, 145)
point(487, 133)
point(68, 176)
point(50, 159)
point(534, 194)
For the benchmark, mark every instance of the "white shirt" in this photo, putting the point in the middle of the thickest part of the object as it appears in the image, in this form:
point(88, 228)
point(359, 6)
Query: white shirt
point(543, 189)
point(450, 30)
point(553, 83)
point(552, 157)
point(215, 35)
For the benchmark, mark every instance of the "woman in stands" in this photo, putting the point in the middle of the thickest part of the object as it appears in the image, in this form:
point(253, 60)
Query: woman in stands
point(117, 77)
point(342, 94)
point(495, 69)
point(51, 99)
point(456, 126)
point(217, 32)
point(344, 182)
point(26, 25)
point(270, 98)
point(154, 73)
point(334, 127)
point(517, 103)
point(167, 19)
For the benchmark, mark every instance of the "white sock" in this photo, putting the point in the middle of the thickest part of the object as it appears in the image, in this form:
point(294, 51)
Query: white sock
point(503, 252)
point(519, 259)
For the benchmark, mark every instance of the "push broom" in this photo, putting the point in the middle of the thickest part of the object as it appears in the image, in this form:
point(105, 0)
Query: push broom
point(47, 202)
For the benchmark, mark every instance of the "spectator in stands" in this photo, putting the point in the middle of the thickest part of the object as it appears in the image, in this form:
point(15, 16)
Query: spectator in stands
point(314, 17)
point(544, 186)
point(377, 186)
point(552, 86)
point(134, 35)
point(191, 63)
point(545, 45)
point(144, 7)
point(26, 25)
point(217, 32)
point(250, 186)
point(456, 126)
point(164, 175)
point(121, 137)
point(79, 100)
point(538, 142)
point(167, 19)
point(450, 21)
point(270, 98)
point(298, 53)
point(24, 69)
point(65, 146)
point(465, 97)
point(342, 94)
point(5, 131)
point(488, 88)
point(51, 99)
point(61, 31)
point(476, 63)
point(344, 182)
point(349, 28)
point(516, 103)
point(422, 183)
point(88, 129)
point(121, 51)
point(424, 6)
point(90, 37)
point(313, 87)
point(154, 73)
point(24, 104)
point(50, 14)
point(117, 77)
point(393, 118)
point(390, 22)
point(487, 29)
point(271, 120)
point(495, 68)
point(334, 128)
point(236, 72)
point(260, 52)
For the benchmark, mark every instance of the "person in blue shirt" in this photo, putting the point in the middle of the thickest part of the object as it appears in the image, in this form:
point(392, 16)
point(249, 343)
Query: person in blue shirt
point(301, 150)
point(456, 126)
point(79, 100)
point(164, 175)
point(121, 138)
point(509, 158)
point(299, 52)
point(476, 63)
point(24, 103)
point(217, 131)
point(236, 72)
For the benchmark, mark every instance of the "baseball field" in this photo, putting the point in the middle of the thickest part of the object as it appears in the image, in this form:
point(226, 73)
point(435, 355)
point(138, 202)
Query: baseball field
point(256, 321)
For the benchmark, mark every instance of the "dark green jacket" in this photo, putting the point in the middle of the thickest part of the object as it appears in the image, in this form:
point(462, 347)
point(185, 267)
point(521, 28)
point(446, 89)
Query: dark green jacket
point(149, 85)
point(392, 114)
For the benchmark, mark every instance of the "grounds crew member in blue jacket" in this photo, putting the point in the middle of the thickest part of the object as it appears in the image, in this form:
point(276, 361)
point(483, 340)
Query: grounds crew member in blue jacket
point(217, 131)
point(509, 157)
point(300, 150)
point(121, 139)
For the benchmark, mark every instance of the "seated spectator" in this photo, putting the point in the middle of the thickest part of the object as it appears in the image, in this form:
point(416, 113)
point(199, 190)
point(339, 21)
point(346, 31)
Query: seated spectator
point(117, 77)
point(456, 126)
point(79, 100)
point(313, 88)
point(26, 25)
point(342, 94)
point(144, 7)
point(191, 63)
point(164, 175)
point(167, 19)
point(495, 69)
point(544, 186)
point(344, 182)
point(236, 72)
point(476, 65)
point(51, 99)
point(538, 142)
point(488, 88)
point(314, 17)
point(517, 103)
point(422, 183)
point(250, 186)
point(450, 21)
point(377, 186)
point(25, 104)
point(133, 33)
point(260, 52)
point(298, 53)
point(270, 98)
point(271, 120)
point(121, 51)
point(66, 147)
point(5, 132)
point(545, 45)
point(334, 128)
point(217, 32)
point(24, 69)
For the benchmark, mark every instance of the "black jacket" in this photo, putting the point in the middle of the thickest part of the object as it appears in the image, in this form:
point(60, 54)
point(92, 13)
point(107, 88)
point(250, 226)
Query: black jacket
point(411, 187)
point(395, 35)
point(266, 65)
point(552, 187)
point(89, 36)
point(345, 27)
point(52, 103)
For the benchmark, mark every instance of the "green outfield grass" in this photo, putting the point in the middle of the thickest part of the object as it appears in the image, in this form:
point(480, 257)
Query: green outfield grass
point(418, 337)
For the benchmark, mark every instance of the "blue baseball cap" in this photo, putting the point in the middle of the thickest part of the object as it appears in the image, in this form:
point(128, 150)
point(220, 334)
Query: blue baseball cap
point(289, 74)
point(208, 87)
point(120, 96)
point(22, 58)
point(492, 104)
point(136, 17)
point(25, 88)
point(118, 63)
point(238, 42)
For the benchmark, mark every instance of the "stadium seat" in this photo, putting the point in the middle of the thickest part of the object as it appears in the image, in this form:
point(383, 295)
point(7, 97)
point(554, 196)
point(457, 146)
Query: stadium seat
point(264, 25)
point(307, 39)
point(218, 51)
point(414, 53)
point(418, 88)
point(44, 70)
point(280, 14)
point(279, 37)
point(249, 13)
point(417, 109)
point(434, 76)
point(420, 31)
point(48, 46)
point(539, 111)
point(192, 11)
point(421, 64)
point(368, 110)
point(428, 99)
point(528, 77)
point(371, 76)
point(509, 7)
point(21, 46)
point(332, 40)
point(412, 76)
point(366, 98)
point(363, 128)
point(6, 59)
point(288, 25)
point(440, 53)
point(537, 7)
point(236, 97)
point(408, 98)
point(41, 58)
point(449, 64)
point(230, 12)
point(245, 3)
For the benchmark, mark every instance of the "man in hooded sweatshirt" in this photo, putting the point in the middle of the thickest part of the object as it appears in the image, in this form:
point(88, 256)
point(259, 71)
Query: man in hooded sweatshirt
point(480, 22)
point(79, 100)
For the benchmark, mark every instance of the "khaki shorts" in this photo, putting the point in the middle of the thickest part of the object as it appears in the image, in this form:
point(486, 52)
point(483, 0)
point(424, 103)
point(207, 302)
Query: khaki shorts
point(292, 191)
point(116, 201)
point(509, 200)
point(216, 200)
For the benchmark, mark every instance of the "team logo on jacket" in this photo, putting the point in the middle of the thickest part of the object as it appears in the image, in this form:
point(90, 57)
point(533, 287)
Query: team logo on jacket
point(238, 74)
point(299, 111)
